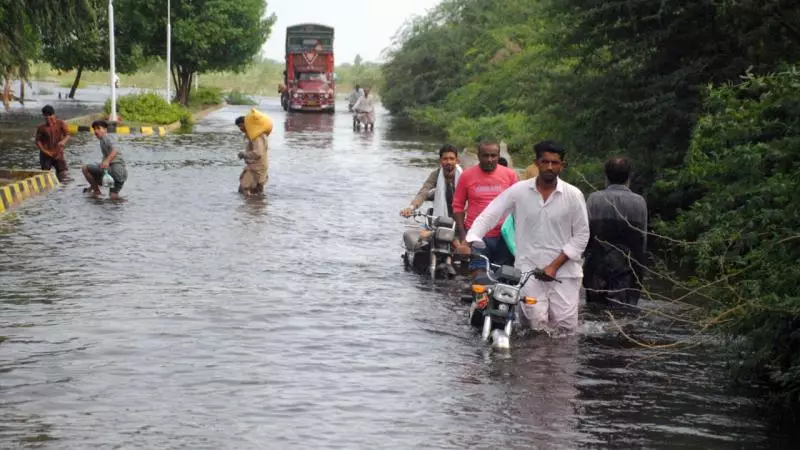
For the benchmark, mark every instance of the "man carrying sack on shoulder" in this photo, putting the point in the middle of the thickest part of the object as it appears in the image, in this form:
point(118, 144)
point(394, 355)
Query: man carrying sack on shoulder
point(253, 179)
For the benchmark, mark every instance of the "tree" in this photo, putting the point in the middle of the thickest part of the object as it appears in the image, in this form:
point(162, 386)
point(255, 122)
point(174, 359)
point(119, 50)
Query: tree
point(357, 61)
point(207, 35)
point(21, 24)
point(87, 48)
point(742, 230)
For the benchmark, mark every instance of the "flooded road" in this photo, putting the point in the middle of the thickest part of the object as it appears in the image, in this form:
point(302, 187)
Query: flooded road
point(189, 317)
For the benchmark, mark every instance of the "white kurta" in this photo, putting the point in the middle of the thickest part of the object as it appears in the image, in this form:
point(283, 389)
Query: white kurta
point(365, 109)
point(543, 231)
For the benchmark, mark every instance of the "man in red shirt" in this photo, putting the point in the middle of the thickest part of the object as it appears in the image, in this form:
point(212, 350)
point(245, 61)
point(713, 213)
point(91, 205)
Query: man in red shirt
point(476, 188)
point(51, 137)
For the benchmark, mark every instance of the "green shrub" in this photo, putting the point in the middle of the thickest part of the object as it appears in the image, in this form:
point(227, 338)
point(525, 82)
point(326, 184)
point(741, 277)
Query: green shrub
point(205, 96)
point(45, 91)
point(236, 97)
point(149, 108)
point(513, 128)
point(742, 229)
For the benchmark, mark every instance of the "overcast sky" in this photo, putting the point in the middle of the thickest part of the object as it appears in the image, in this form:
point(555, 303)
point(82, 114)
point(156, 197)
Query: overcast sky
point(362, 27)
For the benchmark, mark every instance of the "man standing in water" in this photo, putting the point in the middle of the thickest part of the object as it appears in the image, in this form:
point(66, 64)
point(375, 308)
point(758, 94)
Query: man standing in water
point(444, 180)
point(551, 233)
point(51, 137)
point(478, 186)
point(618, 225)
point(257, 126)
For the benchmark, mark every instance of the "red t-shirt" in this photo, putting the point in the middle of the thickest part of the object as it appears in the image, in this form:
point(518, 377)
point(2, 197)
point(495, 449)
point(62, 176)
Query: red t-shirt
point(479, 188)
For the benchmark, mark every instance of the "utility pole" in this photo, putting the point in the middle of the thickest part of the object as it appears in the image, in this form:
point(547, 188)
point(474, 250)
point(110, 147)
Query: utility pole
point(112, 64)
point(169, 50)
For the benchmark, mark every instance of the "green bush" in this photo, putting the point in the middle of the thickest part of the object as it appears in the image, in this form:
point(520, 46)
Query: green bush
point(45, 91)
point(513, 128)
point(205, 96)
point(149, 108)
point(236, 97)
point(742, 229)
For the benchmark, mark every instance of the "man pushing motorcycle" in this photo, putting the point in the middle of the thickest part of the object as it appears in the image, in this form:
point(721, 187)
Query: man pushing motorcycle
point(478, 186)
point(442, 181)
point(551, 232)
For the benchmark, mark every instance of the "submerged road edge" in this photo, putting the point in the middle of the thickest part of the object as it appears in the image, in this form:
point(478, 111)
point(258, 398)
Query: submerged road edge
point(23, 185)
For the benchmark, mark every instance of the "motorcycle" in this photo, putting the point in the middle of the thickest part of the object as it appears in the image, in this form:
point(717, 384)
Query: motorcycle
point(361, 118)
point(495, 299)
point(430, 247)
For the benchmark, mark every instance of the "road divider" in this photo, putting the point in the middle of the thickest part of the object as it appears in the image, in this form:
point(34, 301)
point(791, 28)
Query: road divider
point(121, 129)
point(17, 186)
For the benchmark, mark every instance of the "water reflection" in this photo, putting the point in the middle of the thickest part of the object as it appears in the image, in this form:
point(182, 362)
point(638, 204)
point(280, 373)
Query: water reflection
point(319, 123)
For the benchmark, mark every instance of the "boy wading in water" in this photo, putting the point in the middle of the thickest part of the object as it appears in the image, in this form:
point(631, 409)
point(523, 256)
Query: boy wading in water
point(112, 162)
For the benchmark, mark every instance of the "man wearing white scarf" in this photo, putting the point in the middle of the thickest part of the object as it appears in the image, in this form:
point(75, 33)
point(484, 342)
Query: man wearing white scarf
point(443, 179)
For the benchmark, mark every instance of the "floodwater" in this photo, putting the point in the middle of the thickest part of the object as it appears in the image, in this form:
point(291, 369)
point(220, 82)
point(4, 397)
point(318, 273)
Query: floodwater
point(188, 317)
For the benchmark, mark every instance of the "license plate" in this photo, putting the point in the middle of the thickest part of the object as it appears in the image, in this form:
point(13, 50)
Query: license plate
point(312, 103)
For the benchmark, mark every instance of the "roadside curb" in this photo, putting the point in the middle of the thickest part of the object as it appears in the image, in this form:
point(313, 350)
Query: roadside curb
point(25, 184)
point(122, 129)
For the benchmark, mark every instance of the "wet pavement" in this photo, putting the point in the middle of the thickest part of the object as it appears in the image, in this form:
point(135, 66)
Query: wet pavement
point(188, 317)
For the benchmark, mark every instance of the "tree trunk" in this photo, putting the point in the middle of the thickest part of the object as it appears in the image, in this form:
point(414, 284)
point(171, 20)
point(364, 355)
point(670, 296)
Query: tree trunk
point(7, 91)
point(174, 85)
point(184, 85)
point(76, 82)
point(22, 92)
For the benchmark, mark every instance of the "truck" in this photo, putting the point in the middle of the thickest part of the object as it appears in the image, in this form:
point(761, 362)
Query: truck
point(308, 78)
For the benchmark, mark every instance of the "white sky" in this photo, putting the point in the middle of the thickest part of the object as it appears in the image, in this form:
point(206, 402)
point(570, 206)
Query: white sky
point(362, 27)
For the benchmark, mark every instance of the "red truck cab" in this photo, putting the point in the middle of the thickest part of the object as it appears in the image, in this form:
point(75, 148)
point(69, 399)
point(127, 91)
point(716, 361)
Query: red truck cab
point(308, 79)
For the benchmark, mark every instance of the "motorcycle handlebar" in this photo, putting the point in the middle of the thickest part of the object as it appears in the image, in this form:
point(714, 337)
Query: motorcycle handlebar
point(537, 273)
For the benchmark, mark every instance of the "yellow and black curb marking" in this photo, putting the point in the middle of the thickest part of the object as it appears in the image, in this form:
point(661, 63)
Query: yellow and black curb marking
point(28, 183)
point(119, 129)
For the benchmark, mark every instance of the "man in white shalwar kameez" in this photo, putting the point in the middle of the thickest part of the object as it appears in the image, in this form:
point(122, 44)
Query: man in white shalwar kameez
point(552, 231)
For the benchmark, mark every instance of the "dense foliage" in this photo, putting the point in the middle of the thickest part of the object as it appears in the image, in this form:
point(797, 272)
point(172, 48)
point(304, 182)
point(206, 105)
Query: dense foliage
point(600, 77)
point(661, 82)
point(744, 167)
point(148, 109)
point(206, 96)
point(22, 25)
point(86, 48)
point(207, 35)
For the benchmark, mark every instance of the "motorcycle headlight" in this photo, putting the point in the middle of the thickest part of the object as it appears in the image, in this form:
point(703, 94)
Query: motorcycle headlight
point(504, 293)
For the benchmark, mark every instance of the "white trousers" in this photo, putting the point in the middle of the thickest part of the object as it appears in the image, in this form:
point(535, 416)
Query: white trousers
point(556, 304)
